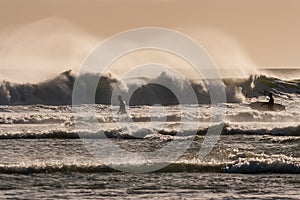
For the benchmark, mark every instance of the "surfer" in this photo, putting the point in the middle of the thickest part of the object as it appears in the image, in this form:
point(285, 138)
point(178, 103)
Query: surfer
point(267, 106)
point(122, 109)
point(270, 103)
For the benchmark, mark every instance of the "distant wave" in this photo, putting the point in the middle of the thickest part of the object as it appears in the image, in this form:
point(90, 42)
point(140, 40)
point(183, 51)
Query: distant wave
point(248, 167)
point(58, 91)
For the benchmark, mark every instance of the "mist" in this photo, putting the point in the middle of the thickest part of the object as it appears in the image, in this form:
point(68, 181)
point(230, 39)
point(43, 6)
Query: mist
point(41, 49)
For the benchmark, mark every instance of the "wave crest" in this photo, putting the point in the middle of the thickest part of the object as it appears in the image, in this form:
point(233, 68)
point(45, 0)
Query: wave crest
point(58, 91)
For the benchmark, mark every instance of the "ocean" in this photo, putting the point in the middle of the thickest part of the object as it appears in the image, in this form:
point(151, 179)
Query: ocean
point(45, 153)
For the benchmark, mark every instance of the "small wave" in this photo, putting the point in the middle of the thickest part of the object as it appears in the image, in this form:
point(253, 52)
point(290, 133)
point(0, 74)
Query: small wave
point(99, 168)
point(238, 129)
point(71, 134)
point(286, 139)
point(41, 135)
point(52, 168)
point(32, 119)
point(282, 131)
point(139, 132)
point(253, 166)
point(246, 166)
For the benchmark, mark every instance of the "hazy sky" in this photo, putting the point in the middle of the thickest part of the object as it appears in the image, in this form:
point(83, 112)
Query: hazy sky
point(39, 39)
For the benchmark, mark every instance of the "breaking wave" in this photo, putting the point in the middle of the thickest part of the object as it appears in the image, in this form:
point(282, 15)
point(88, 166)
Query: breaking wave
point(58, 91)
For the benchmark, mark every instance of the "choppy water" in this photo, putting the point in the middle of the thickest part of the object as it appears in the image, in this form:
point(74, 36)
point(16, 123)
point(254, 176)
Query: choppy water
point(149, 186)
point(257, 155)
point(50, 152)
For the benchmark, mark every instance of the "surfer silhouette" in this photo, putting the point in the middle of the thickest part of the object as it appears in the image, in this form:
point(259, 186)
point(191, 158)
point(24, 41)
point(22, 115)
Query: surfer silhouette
point(270, 103)
point(122, 105)
point(267, 106)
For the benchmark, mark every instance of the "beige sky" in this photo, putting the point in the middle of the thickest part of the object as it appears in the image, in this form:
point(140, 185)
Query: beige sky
point(39, 39)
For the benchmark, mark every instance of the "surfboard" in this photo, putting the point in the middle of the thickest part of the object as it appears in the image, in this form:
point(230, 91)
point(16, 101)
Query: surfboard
point(264, 107)
point(123, 117)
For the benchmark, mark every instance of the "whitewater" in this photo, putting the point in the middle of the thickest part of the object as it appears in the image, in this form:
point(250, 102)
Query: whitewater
point(42, 149)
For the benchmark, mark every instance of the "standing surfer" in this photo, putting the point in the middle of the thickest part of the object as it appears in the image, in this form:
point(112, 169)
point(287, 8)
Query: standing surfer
point(270, 103)
point(122, 105)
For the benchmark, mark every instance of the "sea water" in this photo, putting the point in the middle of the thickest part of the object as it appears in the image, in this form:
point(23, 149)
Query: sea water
point(257, 155)
point(44, 154)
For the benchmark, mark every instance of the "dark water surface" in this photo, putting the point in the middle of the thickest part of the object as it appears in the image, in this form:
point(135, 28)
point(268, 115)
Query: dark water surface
point(149, 186)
